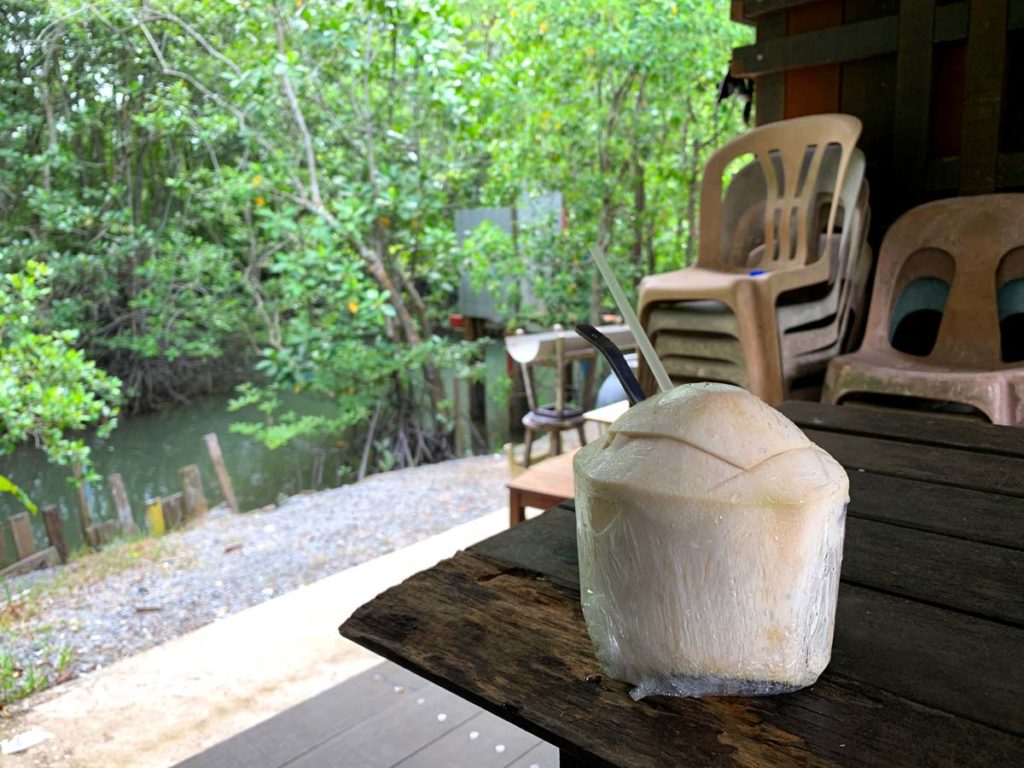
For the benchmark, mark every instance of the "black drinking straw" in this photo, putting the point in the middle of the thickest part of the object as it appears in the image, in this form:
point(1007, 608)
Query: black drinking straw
point(615, 359)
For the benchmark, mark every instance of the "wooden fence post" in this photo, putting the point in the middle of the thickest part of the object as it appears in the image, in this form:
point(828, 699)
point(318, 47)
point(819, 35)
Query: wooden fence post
point(55, 531)
point(172, 511)
point(25, 544)
point(3, 545)
point(83, 501)
point(124, 509)
point(155, 517)
point(192, 492)
point(24, 541)
point(221, 469)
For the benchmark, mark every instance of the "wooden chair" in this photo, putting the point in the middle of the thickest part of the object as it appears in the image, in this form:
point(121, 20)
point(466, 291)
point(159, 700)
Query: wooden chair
point(976, 245)
point(553, 418)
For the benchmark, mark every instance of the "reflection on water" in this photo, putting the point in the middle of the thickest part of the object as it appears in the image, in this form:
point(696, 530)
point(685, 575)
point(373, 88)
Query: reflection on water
point(149, 450)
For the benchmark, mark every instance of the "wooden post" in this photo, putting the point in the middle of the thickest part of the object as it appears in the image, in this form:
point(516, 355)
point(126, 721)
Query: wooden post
point(55, 531)
point(192, 491)
point(101, 534)
point(173, 511)
point(24, 541)
point(155, 517)
point(221, 469)
point(83, 501)
point(3, 545)
point(124, 510)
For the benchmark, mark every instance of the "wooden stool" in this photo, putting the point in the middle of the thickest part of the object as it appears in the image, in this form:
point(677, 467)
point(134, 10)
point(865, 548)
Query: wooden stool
point(554, 426)
point(544, 486)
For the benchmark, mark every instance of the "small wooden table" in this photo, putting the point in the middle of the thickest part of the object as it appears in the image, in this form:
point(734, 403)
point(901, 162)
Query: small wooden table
point(607, 414)
point(541, 486)
point(927, 663)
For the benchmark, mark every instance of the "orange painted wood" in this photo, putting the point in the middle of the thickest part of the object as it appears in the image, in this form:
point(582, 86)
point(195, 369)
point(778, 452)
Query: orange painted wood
point(813, 90)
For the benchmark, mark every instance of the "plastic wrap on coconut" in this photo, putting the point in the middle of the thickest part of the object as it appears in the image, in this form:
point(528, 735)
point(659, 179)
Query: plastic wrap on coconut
point(710, 535)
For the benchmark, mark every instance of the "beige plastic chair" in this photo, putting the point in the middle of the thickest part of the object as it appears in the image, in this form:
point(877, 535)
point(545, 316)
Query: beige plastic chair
point(693, 338)
point(849, 259)
point(808, 351)
point(976, 244)
point(801, 355)
point(742, 239)
point(742, 232)
point(711, 330)
point(790, 154)
point(700, 344)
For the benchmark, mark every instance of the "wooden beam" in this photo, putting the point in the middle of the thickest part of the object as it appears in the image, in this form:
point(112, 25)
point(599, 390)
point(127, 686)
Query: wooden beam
point(861, 40)
point(1010, 170)
point(913, 96)
point(736, 12)
point(770, 91)
point(173, 511)
point(24, 541)
point(823, 46)
point(213, 447)
point(753, 9)
point(124, 509)
point(986, 62)
point(950, 21)
point(193, 494)
point(55, 531)
point(85, 519)
point(944, 173)
point(44, 557)
point(101, 534)
point(1015, 17)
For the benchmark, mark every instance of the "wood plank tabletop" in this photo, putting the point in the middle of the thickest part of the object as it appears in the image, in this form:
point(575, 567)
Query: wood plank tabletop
point(552, 476)
point(926, 662)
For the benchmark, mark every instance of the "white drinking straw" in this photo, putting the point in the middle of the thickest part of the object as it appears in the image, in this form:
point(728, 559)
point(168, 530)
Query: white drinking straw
point(646, 348)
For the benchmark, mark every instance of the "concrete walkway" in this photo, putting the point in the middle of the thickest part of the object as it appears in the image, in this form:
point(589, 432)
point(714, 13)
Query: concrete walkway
point(173, 701)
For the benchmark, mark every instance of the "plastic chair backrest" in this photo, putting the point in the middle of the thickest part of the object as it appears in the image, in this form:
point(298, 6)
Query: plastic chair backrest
point(742, 225)
point(789, 154)
point(964, 242)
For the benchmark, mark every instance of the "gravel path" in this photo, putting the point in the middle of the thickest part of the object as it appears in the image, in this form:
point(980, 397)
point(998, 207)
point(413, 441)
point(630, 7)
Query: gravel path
point(120, 602)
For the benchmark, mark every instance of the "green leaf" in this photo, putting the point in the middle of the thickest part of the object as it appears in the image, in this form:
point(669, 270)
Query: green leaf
point(6, 486)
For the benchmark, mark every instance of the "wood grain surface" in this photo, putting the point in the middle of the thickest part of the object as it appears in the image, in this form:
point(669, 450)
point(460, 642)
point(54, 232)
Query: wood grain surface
point(929, 633)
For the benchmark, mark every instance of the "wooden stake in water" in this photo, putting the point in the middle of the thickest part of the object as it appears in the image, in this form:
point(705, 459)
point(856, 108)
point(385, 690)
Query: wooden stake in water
point(646, 348)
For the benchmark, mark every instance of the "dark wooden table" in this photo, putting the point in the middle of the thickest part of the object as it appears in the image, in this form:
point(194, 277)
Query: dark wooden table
point(928, 660)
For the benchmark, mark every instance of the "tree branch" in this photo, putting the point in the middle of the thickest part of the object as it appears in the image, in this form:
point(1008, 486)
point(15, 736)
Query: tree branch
point(195, 35)
point(300, 119)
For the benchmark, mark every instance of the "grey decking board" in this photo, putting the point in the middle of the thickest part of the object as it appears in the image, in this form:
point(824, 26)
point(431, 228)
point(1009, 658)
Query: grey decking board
point(458, 747)
point(391, 734)
point(274, 742)
point(542, 756)
point(365, 722)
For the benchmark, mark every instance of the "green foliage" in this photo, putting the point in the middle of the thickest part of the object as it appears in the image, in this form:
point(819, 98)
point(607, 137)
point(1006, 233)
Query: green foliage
point(47, 386)
point(263, 191)
point(611, 103)
point(17, 682)
point(22, 675)
point(6, 486)
point(540, 278)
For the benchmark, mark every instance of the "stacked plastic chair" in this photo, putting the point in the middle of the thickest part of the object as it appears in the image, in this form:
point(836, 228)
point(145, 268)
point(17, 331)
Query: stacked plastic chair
point(972, 250)
point(776, 290)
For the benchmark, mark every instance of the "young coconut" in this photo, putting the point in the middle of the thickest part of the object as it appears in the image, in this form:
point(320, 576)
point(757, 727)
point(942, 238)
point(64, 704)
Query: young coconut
point(710, 534)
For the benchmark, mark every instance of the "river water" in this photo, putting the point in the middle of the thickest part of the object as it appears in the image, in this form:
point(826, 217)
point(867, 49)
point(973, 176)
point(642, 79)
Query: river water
point(148, 451)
